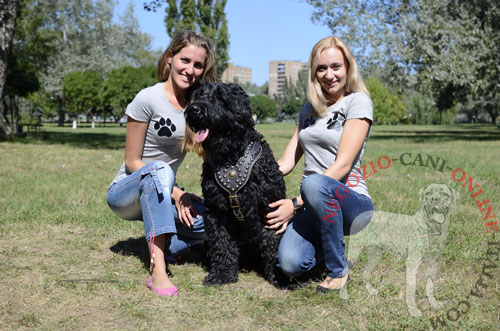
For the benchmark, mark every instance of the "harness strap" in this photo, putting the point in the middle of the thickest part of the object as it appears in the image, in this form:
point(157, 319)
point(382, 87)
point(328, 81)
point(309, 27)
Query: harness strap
point(232, 178)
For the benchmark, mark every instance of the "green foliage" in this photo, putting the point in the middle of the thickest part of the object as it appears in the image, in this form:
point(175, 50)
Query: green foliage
point(88, 39)
point(205, 16)
point(388, 108)
point(122, 84)
point(448, 47)
point(44, 103)
point(55, 38)
point(294, 96)
point(20, 81)
point(34, 39)
point(297, 90)
point(292, 107)
point(188, 14)
point(253, 89)
point(263, 106)
point(81, 89)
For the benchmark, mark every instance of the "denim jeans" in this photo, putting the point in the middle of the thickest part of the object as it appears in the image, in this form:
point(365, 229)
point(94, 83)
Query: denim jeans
point(332, 210)
point(145, 195)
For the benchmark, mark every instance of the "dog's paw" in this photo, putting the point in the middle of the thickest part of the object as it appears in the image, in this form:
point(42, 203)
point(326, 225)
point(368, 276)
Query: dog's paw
point(165, 127)
point(218, 279)
point(283, 282)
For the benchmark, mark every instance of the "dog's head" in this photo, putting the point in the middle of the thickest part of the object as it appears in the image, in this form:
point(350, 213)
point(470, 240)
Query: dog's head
point(436, 201)
point(219, 113)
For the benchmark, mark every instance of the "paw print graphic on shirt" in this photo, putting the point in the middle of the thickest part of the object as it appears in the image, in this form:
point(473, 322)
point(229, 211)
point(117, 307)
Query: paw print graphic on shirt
point(165, 127)
point(336, 121)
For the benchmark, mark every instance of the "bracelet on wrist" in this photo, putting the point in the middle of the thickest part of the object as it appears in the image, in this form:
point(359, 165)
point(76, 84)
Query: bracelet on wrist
point(297, 208)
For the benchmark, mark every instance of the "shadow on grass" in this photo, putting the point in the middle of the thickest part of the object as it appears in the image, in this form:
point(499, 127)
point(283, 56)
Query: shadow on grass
point(197, 255)
point(483, 133)
point(138, 247)
point(76, 139)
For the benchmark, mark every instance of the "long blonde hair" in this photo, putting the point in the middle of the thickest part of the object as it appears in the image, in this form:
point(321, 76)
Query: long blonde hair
point(181, 40)
point(354, 82)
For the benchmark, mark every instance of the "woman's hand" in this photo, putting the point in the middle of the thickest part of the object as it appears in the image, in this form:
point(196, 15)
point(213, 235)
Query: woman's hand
point(278, 219)
point(185, 206)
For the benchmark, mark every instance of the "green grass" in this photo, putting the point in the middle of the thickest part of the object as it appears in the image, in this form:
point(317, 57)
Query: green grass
point(67, 262)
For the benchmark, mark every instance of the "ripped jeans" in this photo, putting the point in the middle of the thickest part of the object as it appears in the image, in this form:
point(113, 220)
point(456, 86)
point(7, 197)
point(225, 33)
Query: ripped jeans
point(145, 195)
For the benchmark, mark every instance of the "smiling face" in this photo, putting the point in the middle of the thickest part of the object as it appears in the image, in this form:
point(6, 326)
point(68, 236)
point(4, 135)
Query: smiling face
point(186, 67)
point(331, 73)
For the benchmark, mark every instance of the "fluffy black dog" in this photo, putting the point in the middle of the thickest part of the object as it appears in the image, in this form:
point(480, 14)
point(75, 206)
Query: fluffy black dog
point(221, 117)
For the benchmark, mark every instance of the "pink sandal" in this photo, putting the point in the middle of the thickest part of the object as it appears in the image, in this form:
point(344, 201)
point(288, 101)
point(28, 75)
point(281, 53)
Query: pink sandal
point(164, 292)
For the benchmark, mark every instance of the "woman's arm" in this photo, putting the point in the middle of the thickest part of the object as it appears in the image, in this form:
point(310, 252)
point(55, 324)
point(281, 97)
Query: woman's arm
point(292, 154)
point(351, 142)
point(278, 219)
point(185, 207)
point(134, 144)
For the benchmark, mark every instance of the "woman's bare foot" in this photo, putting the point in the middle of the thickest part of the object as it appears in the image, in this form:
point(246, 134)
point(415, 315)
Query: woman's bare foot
point(334, 283)
point(158, 267)
point(160, 280)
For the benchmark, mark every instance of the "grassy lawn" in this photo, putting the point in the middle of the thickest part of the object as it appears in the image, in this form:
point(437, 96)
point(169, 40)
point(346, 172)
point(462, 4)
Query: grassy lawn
point(67, 262)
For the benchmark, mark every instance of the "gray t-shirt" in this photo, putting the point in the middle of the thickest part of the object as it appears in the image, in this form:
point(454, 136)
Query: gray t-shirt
point(166, 126)
point(320, 137)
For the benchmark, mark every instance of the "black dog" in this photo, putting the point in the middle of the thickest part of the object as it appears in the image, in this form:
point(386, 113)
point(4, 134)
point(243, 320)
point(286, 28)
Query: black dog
point(240, 178)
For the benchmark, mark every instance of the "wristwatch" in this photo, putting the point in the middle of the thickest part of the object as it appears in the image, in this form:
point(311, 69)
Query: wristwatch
point(297, 208)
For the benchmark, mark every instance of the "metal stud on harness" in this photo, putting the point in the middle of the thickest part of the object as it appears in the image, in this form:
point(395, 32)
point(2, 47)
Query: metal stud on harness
point(232, 178)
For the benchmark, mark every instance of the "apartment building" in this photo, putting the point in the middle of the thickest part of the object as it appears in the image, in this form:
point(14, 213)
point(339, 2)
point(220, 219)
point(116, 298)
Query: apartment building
point(279, 72)
point(238, 74)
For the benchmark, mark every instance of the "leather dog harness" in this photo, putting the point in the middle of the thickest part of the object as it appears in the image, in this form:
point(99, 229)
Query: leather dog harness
point(232, 178)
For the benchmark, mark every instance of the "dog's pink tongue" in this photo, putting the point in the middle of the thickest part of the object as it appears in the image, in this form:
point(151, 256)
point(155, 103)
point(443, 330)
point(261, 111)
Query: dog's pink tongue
point(200, 136)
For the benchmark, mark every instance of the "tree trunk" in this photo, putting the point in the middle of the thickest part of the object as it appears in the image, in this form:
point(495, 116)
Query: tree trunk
point(494, 116)
point(62, 111)
point(8, 14)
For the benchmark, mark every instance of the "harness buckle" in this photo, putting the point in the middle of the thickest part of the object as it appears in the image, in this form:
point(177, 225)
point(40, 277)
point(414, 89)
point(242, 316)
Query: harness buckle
point(234, 202)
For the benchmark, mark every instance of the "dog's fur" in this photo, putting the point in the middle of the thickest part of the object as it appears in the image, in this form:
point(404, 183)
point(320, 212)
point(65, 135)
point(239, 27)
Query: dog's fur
point(225, 110)
point(420, 238)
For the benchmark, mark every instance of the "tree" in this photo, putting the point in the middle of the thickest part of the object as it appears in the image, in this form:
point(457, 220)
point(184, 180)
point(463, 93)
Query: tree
point(19, 83)
point(294, 95)
point(44, 103)
point(205, 16)
point(86, 38)
point(8, 15)
point(450, 46)
point(387, 107)
point(121, 86)
point(263, 106)
point(292, 107)
point(81, 89)
point(253, 89)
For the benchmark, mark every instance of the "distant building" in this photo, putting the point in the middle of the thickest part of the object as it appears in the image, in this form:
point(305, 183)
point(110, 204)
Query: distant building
point(279, 72)
point(238, 74)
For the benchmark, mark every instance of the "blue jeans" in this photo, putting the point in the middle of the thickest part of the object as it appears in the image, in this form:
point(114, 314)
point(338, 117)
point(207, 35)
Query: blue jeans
point(145, 195)
point(332, 210)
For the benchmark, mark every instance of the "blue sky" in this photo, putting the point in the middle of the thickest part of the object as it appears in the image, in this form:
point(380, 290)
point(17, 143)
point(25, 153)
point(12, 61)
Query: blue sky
point(260, 31)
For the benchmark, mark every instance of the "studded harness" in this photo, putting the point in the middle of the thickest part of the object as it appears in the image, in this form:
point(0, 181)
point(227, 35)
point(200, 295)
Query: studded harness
point(232, 178)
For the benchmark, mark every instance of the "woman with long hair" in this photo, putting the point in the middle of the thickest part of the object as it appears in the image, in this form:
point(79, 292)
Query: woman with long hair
point(144, 187)
point(331, 133)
